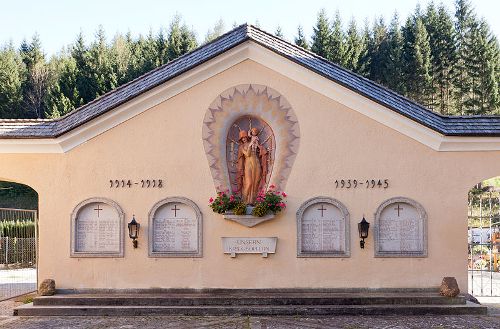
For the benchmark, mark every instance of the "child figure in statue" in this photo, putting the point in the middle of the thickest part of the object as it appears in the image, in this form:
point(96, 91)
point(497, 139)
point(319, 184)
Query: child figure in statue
point(254, 138)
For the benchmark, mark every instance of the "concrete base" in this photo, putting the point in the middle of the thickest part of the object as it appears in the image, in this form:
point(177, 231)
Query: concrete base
point(248, 220)
point(250, 302)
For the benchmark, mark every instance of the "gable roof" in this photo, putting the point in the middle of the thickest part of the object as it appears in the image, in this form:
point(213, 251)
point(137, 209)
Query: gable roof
point(445, 125)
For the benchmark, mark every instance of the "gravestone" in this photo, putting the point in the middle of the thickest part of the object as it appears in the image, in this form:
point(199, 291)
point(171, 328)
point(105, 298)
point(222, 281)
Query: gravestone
point(323, 229)
point(175, 226)
point(97, 229)
point(400, 229)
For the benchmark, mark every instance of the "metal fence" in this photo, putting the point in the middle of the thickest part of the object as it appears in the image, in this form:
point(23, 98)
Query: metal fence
point(484, 241)
point(18, 252)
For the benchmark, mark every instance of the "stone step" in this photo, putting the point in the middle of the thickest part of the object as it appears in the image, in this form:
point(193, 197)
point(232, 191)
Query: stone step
point(241, 299)
point(218, 310)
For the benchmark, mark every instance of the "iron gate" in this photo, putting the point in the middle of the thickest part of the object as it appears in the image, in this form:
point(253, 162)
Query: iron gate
point(484, 241)
point(18, 252)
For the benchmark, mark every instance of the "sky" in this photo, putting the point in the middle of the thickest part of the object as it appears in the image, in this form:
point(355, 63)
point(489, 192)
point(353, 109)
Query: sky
point(59, 21)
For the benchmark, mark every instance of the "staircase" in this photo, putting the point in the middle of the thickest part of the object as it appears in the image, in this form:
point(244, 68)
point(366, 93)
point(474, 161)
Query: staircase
point(266, 302)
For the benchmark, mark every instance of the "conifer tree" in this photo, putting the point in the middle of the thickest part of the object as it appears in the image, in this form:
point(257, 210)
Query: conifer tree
point(162, 47)
point(464, 20)
point(35, 81)
point(123, 60)
point(279, 32)
point(300, 39)
point(216, 32)
point(188, 39)
point(62, 94)
point(11, 68)
point(84, 81)
point(417, 61)
point(393, 73)
point(354, 49)
point(443, 50)
point(337, 52)
point(378, 51)
point(102, 76)
point(321, 35)
point(481, 67)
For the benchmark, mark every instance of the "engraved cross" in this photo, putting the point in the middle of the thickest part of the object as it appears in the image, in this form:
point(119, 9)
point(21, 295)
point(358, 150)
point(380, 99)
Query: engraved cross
point(98, 209)
point(322, 209)
point(175, 210)
point(398, 208)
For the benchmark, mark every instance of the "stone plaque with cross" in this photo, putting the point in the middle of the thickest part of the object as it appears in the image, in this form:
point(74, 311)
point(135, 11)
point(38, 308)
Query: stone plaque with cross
point(400, 229)
point(323, 229)
point(97, 229)
point(175, 226)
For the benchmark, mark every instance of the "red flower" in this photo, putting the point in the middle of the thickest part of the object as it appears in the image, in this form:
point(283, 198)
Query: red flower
point(283, 194)
point(231, 198)
point(272, 186)
point(211, 200)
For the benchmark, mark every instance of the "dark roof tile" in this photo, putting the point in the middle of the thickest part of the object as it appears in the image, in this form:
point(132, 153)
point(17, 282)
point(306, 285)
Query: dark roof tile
point(446, 125)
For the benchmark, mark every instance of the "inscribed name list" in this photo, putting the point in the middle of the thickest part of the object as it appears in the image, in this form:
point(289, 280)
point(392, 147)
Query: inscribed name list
point(175, 234)
point(97, 229)
point(400, 229)
point(323, 229)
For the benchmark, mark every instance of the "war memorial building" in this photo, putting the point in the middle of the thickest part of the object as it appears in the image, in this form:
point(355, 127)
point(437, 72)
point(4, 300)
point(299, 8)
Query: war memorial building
point(243, 114)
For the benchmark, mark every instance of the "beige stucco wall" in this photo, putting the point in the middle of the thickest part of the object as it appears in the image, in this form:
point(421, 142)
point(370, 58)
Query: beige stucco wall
point(336, 142)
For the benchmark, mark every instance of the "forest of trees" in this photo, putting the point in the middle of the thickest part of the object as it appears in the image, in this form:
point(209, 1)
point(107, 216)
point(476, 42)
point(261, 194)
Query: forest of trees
point(448, 62)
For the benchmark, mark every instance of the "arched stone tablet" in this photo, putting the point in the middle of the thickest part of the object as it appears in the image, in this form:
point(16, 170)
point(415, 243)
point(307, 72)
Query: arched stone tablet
point(400, 229)
point(175, 228)
point(97, 229)
point(323, 228)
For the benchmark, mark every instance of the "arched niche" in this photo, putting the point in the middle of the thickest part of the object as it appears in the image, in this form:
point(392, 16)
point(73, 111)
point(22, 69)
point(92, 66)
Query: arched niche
point(175, 229)
point(400, 229)
point(97, 228)
point(323, 228)
point(264, 105)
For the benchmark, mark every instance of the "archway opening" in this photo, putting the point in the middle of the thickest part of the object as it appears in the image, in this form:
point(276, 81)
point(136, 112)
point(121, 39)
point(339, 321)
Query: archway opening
point(18, 239)
point(483, 222)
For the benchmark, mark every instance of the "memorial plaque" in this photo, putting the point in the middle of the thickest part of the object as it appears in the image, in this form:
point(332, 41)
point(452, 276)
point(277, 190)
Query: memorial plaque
point(175, 229)
point(323, 229)
point(400, 229)
point(97, 229)
point(262, 246)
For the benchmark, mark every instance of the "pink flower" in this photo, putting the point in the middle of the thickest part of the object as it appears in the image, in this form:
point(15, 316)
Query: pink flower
point(211, 200)
point(271, 187)
point(277, 193)
point(259, 199)
point(231, 198)
point(282, 205)
point(283, 194)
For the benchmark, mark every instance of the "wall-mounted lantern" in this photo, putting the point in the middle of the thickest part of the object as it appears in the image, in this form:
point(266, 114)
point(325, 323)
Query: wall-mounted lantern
point(363, 227)
point(133, 230)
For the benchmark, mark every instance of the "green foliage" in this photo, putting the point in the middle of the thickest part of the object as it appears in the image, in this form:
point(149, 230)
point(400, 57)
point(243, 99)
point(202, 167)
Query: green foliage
point(269, 201)
point(224, 202)
point(216, 32)
point(240, 208)
point(17, 196)
point(17, 229)
point(300, 39)
point(33, 87)
point(321, 36)
point(449, 63)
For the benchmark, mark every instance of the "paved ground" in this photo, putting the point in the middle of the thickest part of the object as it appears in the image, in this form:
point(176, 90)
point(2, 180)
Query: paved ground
point(14, 282)
point(345, 322)
point(484, 283)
